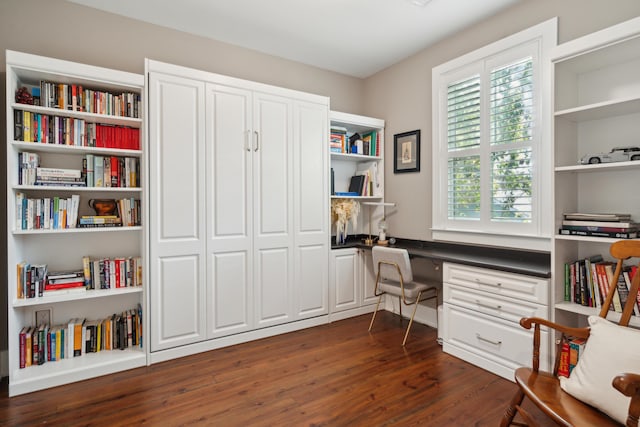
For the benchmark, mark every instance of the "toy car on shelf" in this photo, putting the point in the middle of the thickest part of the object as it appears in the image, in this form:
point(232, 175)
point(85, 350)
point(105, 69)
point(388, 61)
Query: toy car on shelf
point(617, 154)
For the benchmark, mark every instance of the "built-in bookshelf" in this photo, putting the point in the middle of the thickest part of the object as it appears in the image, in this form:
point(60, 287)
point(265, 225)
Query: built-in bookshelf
point(75, 221)
point(597, 108)
point(362, 158)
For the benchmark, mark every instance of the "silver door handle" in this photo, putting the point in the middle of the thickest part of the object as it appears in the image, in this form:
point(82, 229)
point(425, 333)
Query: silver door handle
point(481, 338)
point(257, 140)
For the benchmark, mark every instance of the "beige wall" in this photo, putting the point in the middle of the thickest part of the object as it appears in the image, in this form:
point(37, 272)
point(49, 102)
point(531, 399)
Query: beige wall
point(401, 94)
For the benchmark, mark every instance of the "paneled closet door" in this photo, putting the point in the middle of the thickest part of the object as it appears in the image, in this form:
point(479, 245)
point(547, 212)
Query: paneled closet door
point(176, 200)
point(273, 209)
point(231, 145)
point(311, 204)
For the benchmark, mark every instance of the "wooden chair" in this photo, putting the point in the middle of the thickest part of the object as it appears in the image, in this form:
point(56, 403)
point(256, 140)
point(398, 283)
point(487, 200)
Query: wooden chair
point(394, 276)
point(543, 389)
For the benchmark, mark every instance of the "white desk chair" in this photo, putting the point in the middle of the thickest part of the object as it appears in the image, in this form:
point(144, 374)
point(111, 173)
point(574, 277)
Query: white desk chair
point(395, 277)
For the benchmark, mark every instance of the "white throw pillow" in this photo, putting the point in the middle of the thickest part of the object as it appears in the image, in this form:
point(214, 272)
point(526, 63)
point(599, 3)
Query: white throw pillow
point(610, 351)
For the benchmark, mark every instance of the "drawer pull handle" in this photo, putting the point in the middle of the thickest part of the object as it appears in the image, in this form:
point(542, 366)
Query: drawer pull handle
point(481, 338)
point(497, 284)
point(497, 307)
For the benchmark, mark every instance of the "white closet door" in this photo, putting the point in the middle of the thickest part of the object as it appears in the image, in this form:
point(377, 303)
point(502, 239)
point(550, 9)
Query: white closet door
point(311, 201)
point(176, 201)
point(273, 209)
point(230, 148)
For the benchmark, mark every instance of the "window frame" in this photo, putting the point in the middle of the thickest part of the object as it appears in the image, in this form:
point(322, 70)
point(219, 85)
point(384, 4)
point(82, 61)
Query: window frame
point(536, 41)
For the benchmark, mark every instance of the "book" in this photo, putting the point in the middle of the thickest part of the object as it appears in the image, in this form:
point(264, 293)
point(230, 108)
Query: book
point(582, 223)
point(576, 347)
point(563, 366)
point(600, 228)
point(617, 305)
point(597, 216)
point(616, 235)
point(357, 184)
point(627, 280)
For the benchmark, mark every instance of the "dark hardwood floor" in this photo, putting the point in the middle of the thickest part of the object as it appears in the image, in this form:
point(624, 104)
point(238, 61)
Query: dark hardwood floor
point(331, 375)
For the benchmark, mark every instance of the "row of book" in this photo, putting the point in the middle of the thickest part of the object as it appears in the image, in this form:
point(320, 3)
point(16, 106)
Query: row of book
point(570, 352)
point(365, 182)
point(35, 281)
point(75, 97)
point(49, 129)
point(48, 213)
point(341, 142)
point(111, 171)
point(59, 213)
point(50, 343)
point(618, 226)
point(587, 282)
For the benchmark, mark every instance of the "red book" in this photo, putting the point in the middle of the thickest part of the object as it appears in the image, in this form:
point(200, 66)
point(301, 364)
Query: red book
point(563, 367)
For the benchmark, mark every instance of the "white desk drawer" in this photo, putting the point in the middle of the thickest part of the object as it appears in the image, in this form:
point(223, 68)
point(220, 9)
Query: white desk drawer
point(503, 307)
point(497, 282)
point(499, 341)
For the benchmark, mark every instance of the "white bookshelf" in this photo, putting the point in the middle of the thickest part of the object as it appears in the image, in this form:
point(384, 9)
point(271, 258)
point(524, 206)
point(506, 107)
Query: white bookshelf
point(596, 108)
point(63, 249)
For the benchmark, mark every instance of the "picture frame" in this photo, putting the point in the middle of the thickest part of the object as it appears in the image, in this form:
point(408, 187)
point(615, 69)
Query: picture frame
point(406, 152)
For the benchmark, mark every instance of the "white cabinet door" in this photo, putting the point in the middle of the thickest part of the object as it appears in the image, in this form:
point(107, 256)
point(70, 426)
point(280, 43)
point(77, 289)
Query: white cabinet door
point(229, 154)
point(272, 209)
point(345, 280)
point(310, 189)
point(176, 201)
point(368, 279)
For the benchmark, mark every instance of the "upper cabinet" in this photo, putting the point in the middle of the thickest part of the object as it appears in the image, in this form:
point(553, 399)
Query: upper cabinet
point(76, 221)
point(596, 109)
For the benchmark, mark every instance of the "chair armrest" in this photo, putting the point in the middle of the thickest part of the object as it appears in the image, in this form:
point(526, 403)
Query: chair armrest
point(528, 322)
point(627, 384)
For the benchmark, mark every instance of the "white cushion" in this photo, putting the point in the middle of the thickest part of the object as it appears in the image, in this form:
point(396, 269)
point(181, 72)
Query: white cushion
point(610, 351)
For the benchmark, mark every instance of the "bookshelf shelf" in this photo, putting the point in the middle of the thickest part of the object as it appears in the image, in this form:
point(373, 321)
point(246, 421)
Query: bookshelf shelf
point(88, 117)
point(593, 311)
point(354, 157)
point(64, 249)
point(87, 366)
point(606, 240)
point(89, 294)
point(600, 167)
point(601, 110)
point(69, 149)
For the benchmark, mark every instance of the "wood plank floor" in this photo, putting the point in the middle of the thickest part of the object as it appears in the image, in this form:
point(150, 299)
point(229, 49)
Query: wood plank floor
point(331, 375)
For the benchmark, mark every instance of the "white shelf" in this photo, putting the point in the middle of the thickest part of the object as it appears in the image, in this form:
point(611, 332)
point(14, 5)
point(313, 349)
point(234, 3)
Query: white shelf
point(599, 167)
point(601, 110)
point(58, 188)
point(354, 157)
point(607, 240)
point(90, 365)
point(88, 117)
point(358, 197)
point(79, 230)
point(89, 294)
point(593, 311)
point(71, 149)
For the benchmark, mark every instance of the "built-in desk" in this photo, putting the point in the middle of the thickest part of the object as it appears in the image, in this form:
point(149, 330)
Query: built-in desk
point(530, 263)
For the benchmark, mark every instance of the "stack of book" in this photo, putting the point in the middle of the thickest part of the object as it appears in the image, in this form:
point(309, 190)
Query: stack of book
point(618, 226)
point(339, 141)
point(64, 282)
point(57, 176)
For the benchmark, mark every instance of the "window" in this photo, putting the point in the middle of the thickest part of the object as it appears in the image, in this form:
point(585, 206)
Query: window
point(489, 139)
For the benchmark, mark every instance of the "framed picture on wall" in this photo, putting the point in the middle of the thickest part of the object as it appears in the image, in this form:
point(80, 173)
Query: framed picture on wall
point(406, 152)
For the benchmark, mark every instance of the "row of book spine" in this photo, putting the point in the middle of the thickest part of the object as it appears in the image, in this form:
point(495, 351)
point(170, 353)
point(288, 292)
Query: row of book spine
point(44, 343)
point(60, 213)
point(111, 171)
point(587, 282)
point(341, 142)
point(112, 273)
point(48, 213)
point(75, 97)
point(59, 130)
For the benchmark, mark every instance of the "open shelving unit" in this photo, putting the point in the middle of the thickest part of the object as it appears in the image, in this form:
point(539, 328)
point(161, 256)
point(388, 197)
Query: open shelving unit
point(62, 249)
point(597, 107)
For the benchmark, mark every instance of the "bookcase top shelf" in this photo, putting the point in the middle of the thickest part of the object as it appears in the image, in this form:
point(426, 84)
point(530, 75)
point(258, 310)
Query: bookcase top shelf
point(601, 110)
point(106, 119)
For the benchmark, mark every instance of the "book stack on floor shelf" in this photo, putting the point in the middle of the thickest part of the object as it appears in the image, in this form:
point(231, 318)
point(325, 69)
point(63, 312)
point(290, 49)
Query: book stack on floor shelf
point(617, 226)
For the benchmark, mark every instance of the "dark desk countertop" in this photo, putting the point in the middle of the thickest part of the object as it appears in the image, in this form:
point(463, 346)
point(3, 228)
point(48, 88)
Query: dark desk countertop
point(530, 263)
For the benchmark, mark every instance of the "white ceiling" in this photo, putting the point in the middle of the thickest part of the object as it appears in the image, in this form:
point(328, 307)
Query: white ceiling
point(353, 37)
